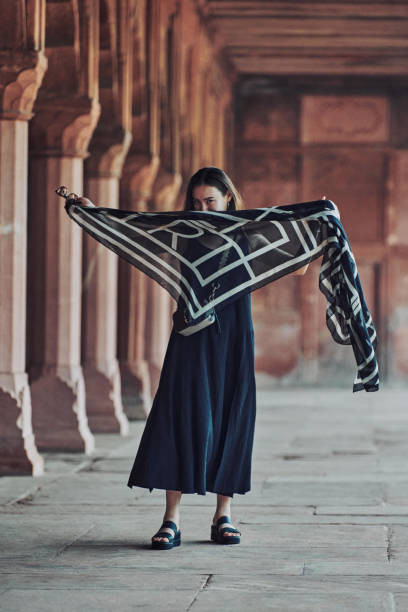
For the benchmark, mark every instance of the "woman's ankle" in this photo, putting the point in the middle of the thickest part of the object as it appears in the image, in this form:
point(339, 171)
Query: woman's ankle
point(219, 513)
point(172, 514)
point(172, 511)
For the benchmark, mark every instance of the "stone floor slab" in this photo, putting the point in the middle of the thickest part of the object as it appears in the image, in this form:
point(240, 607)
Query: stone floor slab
point(317, 492)
point(94, 600)
point(309, 601)
point(324, 527)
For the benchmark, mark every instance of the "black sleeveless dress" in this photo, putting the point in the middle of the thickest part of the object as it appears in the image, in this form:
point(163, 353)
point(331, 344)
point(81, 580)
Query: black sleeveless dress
point(199, 433)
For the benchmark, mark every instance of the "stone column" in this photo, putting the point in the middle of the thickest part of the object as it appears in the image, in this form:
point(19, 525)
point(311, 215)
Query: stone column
point(160, 303)
point(60, 134)
point(108, 150)
point(393, 294)
point(157, 321)
point(168, 181)
point(100, 365)
point(136, 187)
point(18, 90)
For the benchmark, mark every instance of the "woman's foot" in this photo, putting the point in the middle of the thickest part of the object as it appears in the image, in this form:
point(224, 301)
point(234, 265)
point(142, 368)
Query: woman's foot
point(223, 509)
point(172, 513)
point(223, 532)
point(160, 542)
point(167, 529)
point(215, 519)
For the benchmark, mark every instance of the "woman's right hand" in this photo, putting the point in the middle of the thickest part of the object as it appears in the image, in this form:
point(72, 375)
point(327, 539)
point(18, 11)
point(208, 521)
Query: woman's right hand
point(85, 202)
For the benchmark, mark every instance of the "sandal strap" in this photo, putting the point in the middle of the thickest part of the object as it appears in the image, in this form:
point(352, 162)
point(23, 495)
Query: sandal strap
point(167, 534)
point(229, 529)
point(223, 519)
point(170, 524)
point(163, 534)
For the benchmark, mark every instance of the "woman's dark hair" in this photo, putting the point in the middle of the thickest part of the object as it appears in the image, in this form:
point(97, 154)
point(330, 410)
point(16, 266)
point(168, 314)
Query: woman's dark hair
point(210, 175)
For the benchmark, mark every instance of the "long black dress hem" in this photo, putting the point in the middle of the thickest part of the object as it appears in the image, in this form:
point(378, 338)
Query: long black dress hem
point(185, 491)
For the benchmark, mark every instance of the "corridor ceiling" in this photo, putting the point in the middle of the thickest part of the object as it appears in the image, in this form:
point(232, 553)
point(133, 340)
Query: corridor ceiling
point(300, 37)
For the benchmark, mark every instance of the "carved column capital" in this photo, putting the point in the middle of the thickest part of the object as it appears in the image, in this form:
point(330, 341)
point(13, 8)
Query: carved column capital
point(108, 152)
point(64, 126)
point(139, 174)
point(20, 78)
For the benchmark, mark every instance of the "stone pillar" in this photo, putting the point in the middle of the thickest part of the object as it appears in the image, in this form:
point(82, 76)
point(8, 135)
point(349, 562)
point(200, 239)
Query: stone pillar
point(160, 303)
point(18, 90)
point(168, 181)
point(100, 365)
point(393, 294)
point(157, 321)
point(134, 369)
point(136, 186)
point(108, 150)
point(60, 134)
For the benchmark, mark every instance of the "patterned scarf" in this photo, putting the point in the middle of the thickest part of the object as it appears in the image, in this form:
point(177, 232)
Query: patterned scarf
point(207, 259)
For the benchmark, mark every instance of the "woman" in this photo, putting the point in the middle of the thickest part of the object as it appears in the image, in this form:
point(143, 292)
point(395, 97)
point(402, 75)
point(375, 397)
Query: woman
point(199, 433)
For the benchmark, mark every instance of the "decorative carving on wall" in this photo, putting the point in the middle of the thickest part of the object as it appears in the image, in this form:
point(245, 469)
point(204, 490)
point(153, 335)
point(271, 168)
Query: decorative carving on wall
point(19, 85)
point(62, 128)
point(344, 119)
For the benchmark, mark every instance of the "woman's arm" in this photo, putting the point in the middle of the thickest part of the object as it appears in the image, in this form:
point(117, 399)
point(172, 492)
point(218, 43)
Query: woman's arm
point(258, 241)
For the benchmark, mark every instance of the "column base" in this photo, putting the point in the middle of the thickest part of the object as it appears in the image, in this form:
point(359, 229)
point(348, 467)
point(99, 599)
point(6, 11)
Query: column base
point(136, 395)
point(59, 417)
point(104, 406)
point(18, 450)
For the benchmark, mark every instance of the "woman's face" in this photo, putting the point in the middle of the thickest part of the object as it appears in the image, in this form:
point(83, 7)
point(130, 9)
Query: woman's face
point(207, 197)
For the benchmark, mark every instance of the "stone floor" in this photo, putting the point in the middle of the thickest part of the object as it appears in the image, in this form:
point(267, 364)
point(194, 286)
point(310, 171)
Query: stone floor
point(325, 525)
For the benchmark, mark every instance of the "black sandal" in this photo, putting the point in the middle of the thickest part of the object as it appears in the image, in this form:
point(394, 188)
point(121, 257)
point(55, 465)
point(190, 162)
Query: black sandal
point(173, 540)
point(218, 536)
